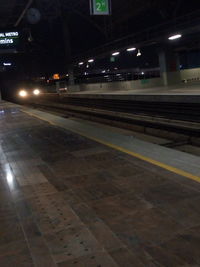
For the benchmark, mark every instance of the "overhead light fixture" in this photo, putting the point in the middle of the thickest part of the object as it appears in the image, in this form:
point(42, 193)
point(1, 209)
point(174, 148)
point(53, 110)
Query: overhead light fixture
point(91, 60)
point(142, 72)
point(131, 49)
point(115, 53)
point(80, 63)
point(174, 37)
point(7, 64)
point(139, 53)
point(87, 66)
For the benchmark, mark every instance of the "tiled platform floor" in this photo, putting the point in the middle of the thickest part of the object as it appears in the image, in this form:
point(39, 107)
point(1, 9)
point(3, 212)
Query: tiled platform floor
point(68, 201)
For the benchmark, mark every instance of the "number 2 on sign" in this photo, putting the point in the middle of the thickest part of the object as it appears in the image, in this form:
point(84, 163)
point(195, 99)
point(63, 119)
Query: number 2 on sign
point(98, 5)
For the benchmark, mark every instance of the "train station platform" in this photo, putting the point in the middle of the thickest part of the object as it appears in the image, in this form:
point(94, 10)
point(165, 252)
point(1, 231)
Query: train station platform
point(77, 194)
point(183, 93)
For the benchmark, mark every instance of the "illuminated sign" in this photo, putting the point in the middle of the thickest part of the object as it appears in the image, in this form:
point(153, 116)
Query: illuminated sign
point(9, 39)
point(100, 7)
point(56, 76)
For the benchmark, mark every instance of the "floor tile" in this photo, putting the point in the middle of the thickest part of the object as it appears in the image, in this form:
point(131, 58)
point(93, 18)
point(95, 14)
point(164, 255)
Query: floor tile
point(93, 260)
point(15, 254)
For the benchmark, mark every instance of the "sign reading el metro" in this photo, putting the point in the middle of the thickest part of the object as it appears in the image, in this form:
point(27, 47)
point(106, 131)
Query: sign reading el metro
point(7, 38)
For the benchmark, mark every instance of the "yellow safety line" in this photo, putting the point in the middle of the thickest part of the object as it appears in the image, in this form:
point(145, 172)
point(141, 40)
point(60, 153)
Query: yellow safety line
point(134, 154)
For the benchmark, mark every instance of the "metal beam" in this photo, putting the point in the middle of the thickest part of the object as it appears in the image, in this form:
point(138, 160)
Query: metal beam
point(23, 12)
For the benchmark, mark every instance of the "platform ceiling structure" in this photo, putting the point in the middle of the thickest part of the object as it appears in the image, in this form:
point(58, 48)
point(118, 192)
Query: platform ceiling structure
point(127, 17)
point(91, 35)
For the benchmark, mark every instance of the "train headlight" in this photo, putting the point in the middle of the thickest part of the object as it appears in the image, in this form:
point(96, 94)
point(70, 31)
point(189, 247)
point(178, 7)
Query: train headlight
point(22, 93)
point(36, 92)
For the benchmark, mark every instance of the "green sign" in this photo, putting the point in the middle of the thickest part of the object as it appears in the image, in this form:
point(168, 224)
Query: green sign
point(112, 59)
point(100, 7)
point(144, 81)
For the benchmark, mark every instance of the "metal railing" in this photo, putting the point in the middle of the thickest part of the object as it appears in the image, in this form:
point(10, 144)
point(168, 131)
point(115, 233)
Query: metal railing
point(118, 77)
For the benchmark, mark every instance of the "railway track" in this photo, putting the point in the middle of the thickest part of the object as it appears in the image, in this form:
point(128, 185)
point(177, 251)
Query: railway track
point(170, 110)
point(179, 123)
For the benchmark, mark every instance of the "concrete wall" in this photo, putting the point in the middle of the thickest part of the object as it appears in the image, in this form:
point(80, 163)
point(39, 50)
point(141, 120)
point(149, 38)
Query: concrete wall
point(171, 78)
point(123, 86)
point(190, 75)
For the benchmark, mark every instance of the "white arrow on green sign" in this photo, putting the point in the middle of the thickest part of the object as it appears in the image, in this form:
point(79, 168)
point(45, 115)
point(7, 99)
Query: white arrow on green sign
point(100, 7)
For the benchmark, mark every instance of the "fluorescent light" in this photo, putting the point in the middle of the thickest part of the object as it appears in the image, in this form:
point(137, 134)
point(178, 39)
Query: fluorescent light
point(7, 64)
point(174, 37)
point(131, 49)
point(80, 63)
point(91, 60)
point(115, 53)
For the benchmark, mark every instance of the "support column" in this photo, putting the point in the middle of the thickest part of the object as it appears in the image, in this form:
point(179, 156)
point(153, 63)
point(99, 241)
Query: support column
point(68, 53)
point(169, 67)
point(71, 74)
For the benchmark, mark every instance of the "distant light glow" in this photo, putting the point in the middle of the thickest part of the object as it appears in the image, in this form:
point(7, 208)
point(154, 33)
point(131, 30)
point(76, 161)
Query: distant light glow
point(131, 49)
point(7, 64)
point(36, 92)
point(142, 72)
point(103, 71)
point(91, 60)
point(139, 53)
point(174, 37)
point(118, 74)
point(56, 76)
point(23, 93)
point(115, 53)
point(80, 63)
